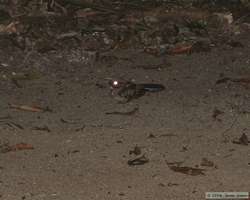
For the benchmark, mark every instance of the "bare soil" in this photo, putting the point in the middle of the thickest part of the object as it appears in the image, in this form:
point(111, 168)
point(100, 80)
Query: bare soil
point(80, 152)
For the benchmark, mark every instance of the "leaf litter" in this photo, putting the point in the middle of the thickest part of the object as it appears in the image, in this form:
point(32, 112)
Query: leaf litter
point(162, 27)
point(5, 148)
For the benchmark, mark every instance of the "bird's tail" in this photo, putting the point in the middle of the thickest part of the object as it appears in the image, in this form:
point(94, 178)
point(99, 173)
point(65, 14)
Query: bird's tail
point(151, 87)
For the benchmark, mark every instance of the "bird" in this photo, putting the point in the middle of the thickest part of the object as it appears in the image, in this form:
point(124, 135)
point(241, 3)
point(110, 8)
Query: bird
point(125, 91)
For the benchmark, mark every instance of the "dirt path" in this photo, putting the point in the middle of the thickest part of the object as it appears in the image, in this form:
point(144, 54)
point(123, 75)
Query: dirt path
point(82, 153)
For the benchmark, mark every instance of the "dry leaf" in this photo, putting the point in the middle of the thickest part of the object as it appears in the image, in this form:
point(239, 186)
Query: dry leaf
point(16, 147)
point(180, 50)
point(10, 28)
point(21, 146)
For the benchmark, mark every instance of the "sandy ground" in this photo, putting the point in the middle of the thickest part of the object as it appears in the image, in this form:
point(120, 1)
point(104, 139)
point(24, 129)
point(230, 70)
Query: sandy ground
point(84, 152)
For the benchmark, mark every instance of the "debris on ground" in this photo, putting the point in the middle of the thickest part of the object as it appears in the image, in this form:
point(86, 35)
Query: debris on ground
point(243, 81)
point(41, 128)
point(162, 27)
point(243, 140)
point(186, 170)
point(216, 113)
point(126, 113)
point(207, 163)
point(138, 161)
point(136, 151)
point(29, 108)
point(5, 148)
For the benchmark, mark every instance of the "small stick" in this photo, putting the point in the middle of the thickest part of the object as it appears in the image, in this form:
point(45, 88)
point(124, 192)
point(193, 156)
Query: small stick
point(26, 108)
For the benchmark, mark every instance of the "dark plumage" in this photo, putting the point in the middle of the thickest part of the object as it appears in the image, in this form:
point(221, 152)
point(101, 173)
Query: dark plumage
point(125, 91)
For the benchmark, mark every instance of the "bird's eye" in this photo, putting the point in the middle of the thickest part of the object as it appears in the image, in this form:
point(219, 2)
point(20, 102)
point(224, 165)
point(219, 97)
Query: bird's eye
point(115, 83)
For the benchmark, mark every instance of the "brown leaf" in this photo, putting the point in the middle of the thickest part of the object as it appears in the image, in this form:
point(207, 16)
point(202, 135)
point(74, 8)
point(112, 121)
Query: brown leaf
point(21, 146)
point(16, 147)
point(9, 29)
point(180, 49)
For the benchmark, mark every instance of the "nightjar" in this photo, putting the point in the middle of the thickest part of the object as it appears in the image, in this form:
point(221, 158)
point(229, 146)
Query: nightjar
point(125, 91)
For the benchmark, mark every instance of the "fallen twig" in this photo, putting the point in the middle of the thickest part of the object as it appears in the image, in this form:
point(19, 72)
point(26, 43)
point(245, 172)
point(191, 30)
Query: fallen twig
point(13, 125)
point(29, 108)
point(235, 80)
point(41, 128)
point(186, 170)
